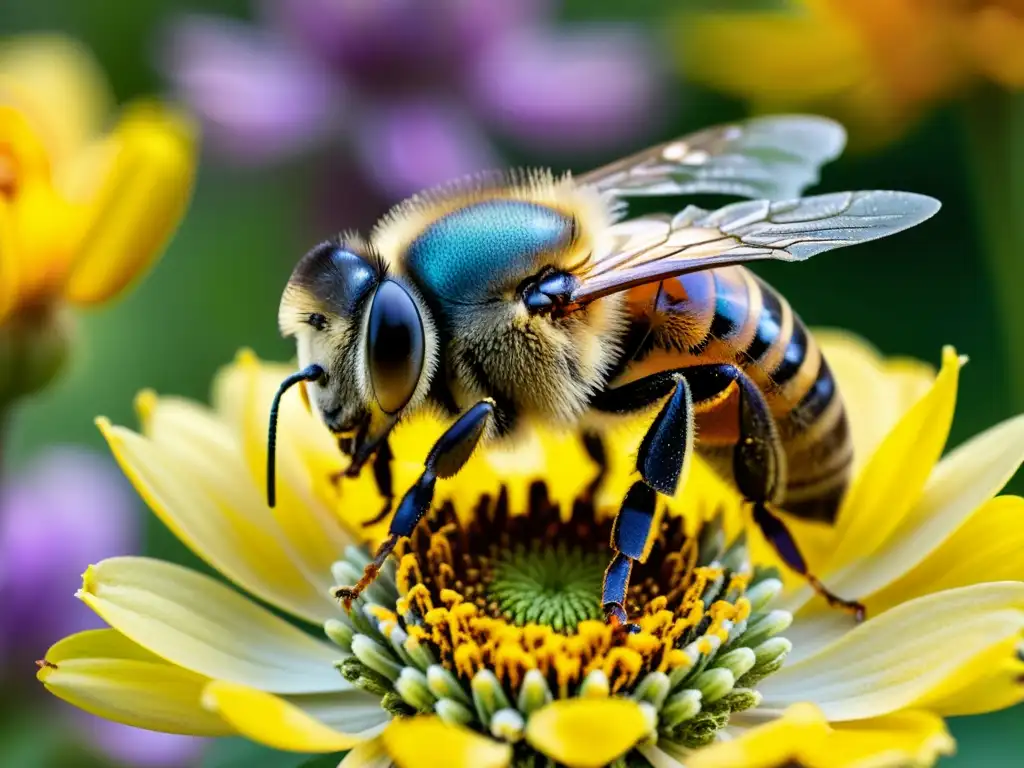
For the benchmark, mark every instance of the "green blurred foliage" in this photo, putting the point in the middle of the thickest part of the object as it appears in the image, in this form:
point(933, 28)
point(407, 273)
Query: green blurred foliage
point(218, 288)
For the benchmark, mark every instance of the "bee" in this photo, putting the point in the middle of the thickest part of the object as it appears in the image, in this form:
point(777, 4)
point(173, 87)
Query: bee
point(504, 299)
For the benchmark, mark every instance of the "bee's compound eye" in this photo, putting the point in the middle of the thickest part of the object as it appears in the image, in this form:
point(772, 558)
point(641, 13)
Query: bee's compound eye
point(394, 346)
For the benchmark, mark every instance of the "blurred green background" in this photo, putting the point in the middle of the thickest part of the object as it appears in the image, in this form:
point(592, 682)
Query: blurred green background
point(218, 287)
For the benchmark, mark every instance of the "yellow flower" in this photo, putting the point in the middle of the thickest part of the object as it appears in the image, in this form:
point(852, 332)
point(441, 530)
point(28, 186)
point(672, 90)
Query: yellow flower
point(877, 65)
point(478, 646)
point(82, 213)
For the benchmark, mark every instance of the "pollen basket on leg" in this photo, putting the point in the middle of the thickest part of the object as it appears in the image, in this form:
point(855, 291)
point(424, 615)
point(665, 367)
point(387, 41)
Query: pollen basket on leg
point(484, 616)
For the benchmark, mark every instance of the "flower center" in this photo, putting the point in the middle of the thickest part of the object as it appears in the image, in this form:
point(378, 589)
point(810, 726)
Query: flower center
point(558, 587)
point(488, 616)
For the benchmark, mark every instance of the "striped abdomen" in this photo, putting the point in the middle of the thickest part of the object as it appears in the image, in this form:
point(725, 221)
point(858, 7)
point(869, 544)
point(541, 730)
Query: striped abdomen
point(729, 315)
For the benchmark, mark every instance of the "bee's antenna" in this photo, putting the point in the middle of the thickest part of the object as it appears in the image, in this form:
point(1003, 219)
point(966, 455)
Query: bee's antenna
point(309, 373)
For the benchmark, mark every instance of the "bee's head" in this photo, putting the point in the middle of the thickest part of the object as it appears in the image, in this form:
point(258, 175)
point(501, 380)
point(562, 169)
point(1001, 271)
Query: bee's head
point(365, 340)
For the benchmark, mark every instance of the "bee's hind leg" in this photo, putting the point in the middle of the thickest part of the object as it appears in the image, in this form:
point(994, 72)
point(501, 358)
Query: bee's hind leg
point(759, 470)
point(661, 461)
point(449, 454)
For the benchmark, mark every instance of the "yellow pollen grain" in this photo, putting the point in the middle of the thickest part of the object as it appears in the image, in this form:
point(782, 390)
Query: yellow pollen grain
point(622, 666)
point(417, 634)
point(445, 576)
point(408, 574)
point(450, 598)
point(380, 613)
point(511, 663)
point(677, 658)
point(739, 582)
point(643, 643)
point(658, 623)
point(657, 605)
point(743, 609)
point(419, 598)
point(468, 660)
point(536, 635)
point(567, 670)
point(440, 549)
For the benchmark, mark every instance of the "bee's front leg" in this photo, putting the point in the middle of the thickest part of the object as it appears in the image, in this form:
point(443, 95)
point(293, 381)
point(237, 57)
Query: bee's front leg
point(594, 445)
point(661, 461)
point(382, 457)
point(382, 476)
point(449, 454)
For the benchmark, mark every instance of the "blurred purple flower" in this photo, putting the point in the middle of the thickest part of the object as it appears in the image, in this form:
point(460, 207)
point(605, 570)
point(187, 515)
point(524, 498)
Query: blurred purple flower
point(414, 88)
point(68, 509)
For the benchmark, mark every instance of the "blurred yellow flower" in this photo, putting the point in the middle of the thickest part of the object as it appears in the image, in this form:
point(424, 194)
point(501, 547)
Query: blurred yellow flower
point(478, 646)
point(82, 213)
point(877, 65)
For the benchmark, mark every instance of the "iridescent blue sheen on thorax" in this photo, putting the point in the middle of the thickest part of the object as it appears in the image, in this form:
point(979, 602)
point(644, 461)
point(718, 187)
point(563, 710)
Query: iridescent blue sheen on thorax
point(468, 255)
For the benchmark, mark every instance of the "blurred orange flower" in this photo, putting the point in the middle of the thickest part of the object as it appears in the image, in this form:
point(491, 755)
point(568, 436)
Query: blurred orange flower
point(877, 65)
point(82, 212)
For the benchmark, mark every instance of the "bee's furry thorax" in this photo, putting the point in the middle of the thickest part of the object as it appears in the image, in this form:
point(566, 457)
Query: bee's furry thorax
point(492, 345)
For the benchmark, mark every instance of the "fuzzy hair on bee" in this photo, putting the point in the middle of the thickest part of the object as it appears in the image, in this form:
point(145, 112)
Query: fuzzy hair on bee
point(548, 366)
point(507, 298)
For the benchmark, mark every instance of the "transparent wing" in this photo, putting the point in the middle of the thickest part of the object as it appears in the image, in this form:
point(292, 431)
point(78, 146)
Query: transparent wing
point(648, 249)
point(775, 158)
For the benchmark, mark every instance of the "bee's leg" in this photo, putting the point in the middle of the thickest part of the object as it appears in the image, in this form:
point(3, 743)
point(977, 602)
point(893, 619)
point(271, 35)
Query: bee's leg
point(382, 476)
point(661, 460)
point(759, 468)
point(451, 451)
point(593, 444)
point(345, 448)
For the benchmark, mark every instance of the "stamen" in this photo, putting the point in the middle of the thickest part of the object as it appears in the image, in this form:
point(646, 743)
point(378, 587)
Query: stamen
point(485, 620)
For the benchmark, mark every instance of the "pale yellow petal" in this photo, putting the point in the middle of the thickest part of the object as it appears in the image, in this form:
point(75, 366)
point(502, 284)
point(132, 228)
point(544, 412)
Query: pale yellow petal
point(773, 745)
point(897, 659)
point(892, 481)
point(909, 380)
point(272, 720)
point(959, 485)
point(876, 390)
point(912, 738)
point(105, 673)
point(369, 754)
point(986, 548)
point(803, 737)
point(229, 391)
point(138, 205)
point(428, 742)
point(60, 86)
point(991, 681)
point(307, 456)
point(205, 626)
point(189, 469)
point(586, 733)
point(865, 388)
